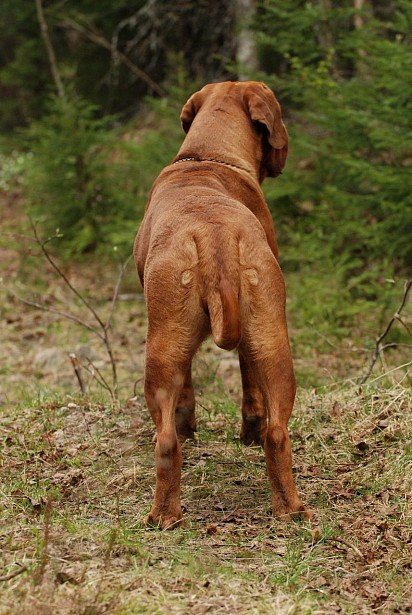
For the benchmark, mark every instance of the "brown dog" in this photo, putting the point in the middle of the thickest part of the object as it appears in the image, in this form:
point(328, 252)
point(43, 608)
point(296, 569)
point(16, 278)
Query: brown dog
point(206, 255)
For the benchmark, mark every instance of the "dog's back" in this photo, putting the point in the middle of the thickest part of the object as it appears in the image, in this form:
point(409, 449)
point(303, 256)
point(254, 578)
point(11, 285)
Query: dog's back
point(204, 247)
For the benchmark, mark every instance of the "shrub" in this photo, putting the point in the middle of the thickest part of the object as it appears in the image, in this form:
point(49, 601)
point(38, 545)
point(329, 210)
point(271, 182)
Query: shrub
point(344, 202)
point(89, 181)
point(72, 179)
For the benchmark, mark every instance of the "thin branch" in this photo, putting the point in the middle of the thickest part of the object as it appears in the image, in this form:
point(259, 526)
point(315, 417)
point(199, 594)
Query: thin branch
point(378, 347)
point(399, 319)
point(348, 544)
point(40, 306)
point(12, 575)
point(100, 379)
point(42, 245)
point(50, 50)
point(116, 290)
point(118, 55)
point(100, 382)
point(76, 366)
point(395, 345)
point(136, 382)
point(104, 336)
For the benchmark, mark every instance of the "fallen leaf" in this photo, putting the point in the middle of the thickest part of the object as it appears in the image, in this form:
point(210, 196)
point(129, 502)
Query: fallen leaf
point(362, 446)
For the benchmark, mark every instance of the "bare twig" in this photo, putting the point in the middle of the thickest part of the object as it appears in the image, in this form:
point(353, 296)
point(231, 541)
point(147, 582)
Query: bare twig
point(45, 308)
point(50, 50)
point(136, 382)
point(122, 271)
point(378, 343)
point(97, 38)
point(77, 370)
point(104, 326)
point(11, 575)
point(44, 555)
point(399, 319)
point(101, 380)
point(42, 245)
point(348, 544)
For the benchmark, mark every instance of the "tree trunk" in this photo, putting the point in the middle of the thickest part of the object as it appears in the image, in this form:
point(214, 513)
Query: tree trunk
point(246, 55)
point(49, 48)
point(358, 22)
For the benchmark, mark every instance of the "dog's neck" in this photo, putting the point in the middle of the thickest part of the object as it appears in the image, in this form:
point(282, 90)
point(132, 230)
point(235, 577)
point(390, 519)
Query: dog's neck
point(177, 160)
point(216, 135)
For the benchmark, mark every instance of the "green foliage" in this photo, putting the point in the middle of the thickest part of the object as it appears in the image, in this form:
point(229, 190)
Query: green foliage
point(73, 181)
point(344, 203)
point(343, 207)
point(89, 182)
point(148, 33)
point(12, 168)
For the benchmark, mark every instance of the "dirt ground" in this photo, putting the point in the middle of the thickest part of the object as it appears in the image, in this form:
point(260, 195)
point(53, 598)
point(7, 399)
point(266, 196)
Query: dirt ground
point(78, 473)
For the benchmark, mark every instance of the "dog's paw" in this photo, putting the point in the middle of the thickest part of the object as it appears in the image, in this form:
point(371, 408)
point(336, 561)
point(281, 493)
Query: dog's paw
point(296, 512)
point(164, 521)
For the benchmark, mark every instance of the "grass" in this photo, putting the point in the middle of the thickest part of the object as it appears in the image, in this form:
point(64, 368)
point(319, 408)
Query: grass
point(78, 478)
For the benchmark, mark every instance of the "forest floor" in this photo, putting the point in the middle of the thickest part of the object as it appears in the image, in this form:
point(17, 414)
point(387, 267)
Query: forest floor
point(78, 475)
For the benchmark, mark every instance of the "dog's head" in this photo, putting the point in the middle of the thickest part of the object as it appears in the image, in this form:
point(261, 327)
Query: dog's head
point(263, 109)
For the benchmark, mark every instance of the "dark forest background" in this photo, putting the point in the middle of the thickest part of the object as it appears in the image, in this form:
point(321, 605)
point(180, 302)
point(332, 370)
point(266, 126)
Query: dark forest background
point(84, 135)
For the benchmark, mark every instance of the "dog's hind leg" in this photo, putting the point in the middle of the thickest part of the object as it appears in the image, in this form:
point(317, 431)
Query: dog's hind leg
point(253, 428)
point(172, 339)
point(185, 410)
point(164, 380)
point(274, 372)
point(265, 346)
point(278, 388)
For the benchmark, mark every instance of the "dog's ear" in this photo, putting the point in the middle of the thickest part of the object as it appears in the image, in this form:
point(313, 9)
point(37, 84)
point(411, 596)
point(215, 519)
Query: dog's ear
point(189, 110)
point(265, 109)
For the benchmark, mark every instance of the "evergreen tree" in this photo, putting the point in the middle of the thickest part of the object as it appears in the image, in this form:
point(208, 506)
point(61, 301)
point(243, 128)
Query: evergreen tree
point(345, 201)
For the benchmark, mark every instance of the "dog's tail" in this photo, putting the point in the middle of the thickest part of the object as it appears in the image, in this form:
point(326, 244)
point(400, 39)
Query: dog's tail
point(223, 306)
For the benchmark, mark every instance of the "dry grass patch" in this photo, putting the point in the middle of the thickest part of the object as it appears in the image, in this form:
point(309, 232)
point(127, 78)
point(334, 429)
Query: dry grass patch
point(78, 479)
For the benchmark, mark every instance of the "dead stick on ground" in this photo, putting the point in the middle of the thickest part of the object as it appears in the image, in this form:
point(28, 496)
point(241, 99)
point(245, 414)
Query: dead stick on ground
point(378, 347)
point(349, 545)
point(44, 555)
point(12, 575)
